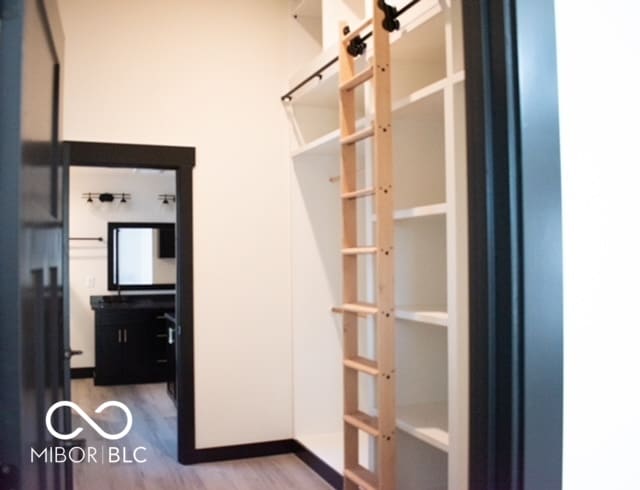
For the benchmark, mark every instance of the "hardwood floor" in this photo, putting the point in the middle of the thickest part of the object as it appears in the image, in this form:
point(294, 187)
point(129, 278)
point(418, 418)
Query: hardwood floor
point(154, 422)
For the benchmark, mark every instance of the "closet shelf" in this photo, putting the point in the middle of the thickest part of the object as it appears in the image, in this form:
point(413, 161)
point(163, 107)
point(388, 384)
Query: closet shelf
point(418, 212)
point(420, 38)
point(418, 104)
point(422, 314)
point(328, 144)
point(329, 447)
point(422, 104)
point(458, 76)
point(427, 422)
point(307, 8)
point(319, 92)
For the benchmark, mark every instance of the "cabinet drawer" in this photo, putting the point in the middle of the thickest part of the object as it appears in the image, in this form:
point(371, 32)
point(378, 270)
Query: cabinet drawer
point(122, 317)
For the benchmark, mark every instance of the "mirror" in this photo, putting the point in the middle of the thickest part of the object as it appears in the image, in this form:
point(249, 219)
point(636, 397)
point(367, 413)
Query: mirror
point(141, 256)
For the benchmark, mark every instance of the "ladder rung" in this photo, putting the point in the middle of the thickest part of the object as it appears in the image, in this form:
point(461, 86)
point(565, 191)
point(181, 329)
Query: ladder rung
point(359, 79)
point(339, 309)
point(365, 308)
point(357, 136)
point(352, 34)
point(364, 422)
point(359, 193)
point(362, 477)
point(363, 364)
point(359, 250)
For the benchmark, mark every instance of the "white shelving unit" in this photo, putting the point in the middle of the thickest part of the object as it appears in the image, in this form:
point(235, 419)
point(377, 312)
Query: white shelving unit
point(307, 29)
point(427, 422)
point(431, 268)
point(329, 447)
point(422, 314)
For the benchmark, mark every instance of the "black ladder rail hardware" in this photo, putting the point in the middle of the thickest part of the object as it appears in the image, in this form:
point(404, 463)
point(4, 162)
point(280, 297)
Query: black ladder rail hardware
point(87, 239)
point(316, 74)
point(390, 22)
point(405, 8)
point(358, 44)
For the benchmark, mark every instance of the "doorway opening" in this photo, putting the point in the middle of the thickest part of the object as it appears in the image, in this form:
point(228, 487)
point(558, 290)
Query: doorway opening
point(129, 291)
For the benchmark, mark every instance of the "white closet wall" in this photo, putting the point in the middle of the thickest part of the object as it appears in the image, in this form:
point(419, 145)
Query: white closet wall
point(431, 267)
point(207, 74)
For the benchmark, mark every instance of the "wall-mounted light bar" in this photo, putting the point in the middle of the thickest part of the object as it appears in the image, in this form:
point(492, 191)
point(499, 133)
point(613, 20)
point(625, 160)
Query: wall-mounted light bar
point(107, 196)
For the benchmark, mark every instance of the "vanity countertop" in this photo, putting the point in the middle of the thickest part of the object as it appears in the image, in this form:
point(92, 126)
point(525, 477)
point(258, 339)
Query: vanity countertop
point(133, 302)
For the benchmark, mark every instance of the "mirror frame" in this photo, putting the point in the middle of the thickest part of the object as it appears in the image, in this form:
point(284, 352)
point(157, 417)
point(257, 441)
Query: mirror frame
point(111, 285)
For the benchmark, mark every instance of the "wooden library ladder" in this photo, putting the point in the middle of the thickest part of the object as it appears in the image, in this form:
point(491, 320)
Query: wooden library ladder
point(383, 426)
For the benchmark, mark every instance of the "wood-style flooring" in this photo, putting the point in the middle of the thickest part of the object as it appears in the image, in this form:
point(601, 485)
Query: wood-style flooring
point(154, 427)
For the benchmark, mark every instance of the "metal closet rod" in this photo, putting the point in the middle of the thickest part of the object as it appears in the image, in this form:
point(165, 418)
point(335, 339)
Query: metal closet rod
point(318, 73)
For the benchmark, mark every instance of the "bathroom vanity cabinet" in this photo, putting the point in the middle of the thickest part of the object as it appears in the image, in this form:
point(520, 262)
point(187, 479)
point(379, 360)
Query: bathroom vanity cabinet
point(131, 338)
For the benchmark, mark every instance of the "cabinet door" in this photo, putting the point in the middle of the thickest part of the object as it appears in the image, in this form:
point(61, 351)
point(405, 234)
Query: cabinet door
point(109, 340)
point(136, 353)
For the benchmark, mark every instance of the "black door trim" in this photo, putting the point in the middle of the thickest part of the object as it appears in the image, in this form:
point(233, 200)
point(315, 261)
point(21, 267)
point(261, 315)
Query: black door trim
point(182, 160)
point(515, 242)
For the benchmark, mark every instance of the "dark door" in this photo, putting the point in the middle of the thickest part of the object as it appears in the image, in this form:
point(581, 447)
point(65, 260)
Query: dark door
point(31, 243)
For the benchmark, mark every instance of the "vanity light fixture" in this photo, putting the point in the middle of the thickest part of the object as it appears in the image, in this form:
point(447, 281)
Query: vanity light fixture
point(166, 198)
point(106, 196)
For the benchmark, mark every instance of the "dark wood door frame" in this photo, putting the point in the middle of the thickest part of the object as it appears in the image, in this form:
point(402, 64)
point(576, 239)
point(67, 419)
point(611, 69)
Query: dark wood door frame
point(182, 160)
point(515, 234)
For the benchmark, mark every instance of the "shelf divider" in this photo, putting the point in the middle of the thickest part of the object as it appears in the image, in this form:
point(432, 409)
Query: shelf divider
point(421, 314)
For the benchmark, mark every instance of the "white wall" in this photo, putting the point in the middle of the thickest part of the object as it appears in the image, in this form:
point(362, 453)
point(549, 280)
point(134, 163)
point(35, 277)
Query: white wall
point(207, 74)
point(88, 260)
point(599, 77)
